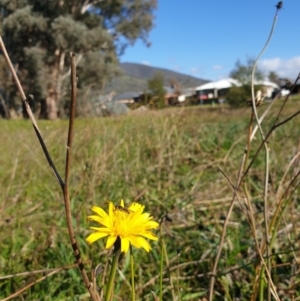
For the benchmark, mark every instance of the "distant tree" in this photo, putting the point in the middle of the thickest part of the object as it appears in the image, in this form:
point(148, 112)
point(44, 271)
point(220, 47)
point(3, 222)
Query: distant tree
point(273, 77)
point(240, 96)
point(40, 34)
point(175, 85)
point(157, 91)
point(242, 72)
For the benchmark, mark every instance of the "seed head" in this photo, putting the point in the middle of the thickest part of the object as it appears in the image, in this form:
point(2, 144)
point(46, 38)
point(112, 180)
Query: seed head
point(279, 5)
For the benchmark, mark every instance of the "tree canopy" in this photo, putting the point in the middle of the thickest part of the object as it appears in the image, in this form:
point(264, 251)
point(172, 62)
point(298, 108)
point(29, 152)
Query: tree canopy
point(238, 96)
point(40, 34)
point(274, 77)
point(157, 90)
point(243, 71)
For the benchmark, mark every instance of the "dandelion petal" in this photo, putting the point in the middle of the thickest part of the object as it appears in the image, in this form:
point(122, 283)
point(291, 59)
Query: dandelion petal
point(145, 244)
point(95, 236)
point(124, 245)
point(99, 211)
point(110, 241)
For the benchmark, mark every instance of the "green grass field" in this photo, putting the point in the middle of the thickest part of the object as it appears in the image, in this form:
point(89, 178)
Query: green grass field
point(169, 160)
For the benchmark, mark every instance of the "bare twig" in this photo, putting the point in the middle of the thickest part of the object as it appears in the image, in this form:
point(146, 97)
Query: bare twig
point(68, 73)
point(242, 174)
point(264, 115)
point(66, 186)
point(266, 219)
point(30, 114)
point(286, 120)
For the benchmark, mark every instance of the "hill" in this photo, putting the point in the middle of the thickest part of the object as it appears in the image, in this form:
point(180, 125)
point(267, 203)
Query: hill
point(135, 76)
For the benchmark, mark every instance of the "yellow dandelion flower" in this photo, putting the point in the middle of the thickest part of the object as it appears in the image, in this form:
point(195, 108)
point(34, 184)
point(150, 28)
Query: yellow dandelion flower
point(131, 225)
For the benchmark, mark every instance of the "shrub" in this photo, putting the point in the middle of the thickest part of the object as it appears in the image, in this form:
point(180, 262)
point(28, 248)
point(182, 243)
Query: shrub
point(238, 96)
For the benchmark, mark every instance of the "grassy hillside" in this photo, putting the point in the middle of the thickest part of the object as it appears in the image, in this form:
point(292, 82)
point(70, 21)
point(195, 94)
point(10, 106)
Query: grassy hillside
point(147, 72)
point(169, 160)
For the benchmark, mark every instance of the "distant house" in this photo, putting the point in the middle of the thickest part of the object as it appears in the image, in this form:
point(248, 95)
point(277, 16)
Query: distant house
point(177, 96)
point(170, 96)
point(268, 87)
point(216, 91)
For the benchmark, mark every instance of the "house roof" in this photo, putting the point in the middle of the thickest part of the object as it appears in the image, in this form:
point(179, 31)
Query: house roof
point(229, 82)
point(268, 84)
point(220, 84)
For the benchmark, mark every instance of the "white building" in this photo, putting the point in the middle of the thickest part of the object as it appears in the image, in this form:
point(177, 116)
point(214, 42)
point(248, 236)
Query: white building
point(218, 89)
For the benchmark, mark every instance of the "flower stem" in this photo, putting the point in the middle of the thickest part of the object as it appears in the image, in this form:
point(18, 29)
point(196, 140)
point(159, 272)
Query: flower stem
point(161, 266)
point(132, 275)
point(266, 210)
point(112, 275)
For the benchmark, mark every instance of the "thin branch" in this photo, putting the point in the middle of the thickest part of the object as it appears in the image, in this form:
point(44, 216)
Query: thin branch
point(266, 220)
point(274, 126)
point(279, 194)
point(286, 99)
point(253, 73)
point(68, 73)
point(242, 174)
point(64, 187)
point(264, 115)
point(252, 225)
point(87, 282)
point(30, 114)
point(8, 61)
point(286, 120)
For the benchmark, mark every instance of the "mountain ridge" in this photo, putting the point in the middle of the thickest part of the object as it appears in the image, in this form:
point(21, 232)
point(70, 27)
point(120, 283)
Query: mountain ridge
point(147, 72)
point(135, 76)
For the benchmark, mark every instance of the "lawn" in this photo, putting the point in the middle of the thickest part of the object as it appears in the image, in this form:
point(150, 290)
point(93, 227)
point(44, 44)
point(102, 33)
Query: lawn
point(178, 162)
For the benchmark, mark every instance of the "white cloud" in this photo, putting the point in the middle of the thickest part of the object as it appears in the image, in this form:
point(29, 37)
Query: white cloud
point(289, 68)
point(194, 70)
point(217, 67)
point(145, 63)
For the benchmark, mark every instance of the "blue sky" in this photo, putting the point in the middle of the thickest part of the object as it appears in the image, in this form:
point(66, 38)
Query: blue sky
point(204, 38)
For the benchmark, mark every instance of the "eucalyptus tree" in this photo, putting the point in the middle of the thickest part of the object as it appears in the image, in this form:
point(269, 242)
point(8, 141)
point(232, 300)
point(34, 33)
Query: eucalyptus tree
point(40, 34)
